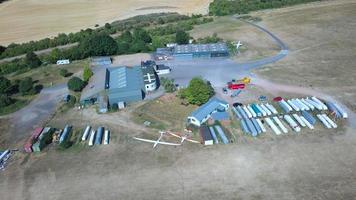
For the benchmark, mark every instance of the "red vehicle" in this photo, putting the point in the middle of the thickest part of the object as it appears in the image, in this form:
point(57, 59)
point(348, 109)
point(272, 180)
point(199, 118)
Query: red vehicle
point(235, 86)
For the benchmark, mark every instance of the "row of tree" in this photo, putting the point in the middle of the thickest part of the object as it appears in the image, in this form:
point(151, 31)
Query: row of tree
point(228, 7)
point(140, 21)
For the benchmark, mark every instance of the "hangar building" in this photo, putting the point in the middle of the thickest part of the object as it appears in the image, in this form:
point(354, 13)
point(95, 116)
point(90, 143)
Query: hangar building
point(189, 51)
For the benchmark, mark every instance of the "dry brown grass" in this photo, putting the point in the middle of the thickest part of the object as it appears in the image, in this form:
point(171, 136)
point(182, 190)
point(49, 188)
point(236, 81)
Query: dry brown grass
point(25, 20)
point(322, 47)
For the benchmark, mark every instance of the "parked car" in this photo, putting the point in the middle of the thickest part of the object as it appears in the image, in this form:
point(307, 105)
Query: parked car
point(236, 104)
point(224, 90)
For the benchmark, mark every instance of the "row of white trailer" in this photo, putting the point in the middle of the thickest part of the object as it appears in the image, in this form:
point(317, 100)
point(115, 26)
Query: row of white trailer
point(305, 104)
point(95, 137)
point(257, 110)
point(296, 121)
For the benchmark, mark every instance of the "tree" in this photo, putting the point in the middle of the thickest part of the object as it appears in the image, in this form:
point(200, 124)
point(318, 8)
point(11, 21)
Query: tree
point(4, 85)
point(198, 91)
point(26, 85)
point(182, 37)
point(126, 36)
point(98, 45)
point(87, 73)
point(76, 84)
point(55, 55)
point(5, 100)
point(140, 34)
point(32, 60)
point(63, 72)
point(107, 26)
point(2, 49)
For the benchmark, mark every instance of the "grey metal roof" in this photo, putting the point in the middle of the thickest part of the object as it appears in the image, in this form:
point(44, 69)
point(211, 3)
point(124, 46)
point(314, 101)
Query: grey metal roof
point(206, 109)
point(200, 48)
point(125, 78)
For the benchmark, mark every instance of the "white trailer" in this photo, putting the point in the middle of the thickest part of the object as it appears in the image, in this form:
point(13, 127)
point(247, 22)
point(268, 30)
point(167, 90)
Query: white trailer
point(4, 156)
point(261, 125)
point(286, 105)
point(316, 105)
point(292, 123)
point(343, 113)
point(300, 121)
point(91, 138)
point(86, 133)
point(296, 103)
point(296, 108)
point(320, 103)
point(271, 108)
point(63, 62)
point(333, 124)
point(301, 103)
point(106, 136)
point(251, 111)
point(308, 104)
point(249, 115)
point(262, 110)
point(306, 122)
point(283, 128)
point(321, 118)
point(273, 126)
point(266, 109)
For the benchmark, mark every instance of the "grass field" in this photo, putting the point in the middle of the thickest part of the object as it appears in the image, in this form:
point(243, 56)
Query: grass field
point(164, 113)
point(49, 75)
point(37, 19)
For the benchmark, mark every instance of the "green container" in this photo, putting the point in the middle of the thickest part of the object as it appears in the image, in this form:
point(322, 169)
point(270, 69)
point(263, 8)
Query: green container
point(36, 147)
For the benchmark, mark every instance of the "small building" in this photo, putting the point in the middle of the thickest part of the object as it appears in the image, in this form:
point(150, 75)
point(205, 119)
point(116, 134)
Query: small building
point(162, 69)
point(204, 112)
point(149, 75)
point(63, 62)
point(101, 61)
point(206, 137)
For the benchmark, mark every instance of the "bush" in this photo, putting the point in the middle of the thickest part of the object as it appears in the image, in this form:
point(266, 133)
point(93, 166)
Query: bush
point(26, 85)
point(75, 84)
point(87, 73)
point(5, 100)
point(72, 101)
point(4, 85)
point(168, 85)
point(63, 72)
point(32, 60)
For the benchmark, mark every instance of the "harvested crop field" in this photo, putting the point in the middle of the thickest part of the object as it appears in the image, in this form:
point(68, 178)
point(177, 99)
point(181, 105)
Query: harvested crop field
point(37, 19)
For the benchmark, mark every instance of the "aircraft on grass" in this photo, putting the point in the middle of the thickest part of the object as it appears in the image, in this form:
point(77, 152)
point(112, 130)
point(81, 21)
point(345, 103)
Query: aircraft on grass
point(183, 138)
point(156, 142)
point(238, 44)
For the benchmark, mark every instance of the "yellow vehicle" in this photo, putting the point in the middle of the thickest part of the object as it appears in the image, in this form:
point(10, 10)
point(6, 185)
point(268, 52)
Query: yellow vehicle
point(245, 80)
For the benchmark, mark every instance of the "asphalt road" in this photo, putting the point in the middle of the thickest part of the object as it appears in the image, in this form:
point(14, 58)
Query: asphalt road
point(219, 70)
point(37, 112)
